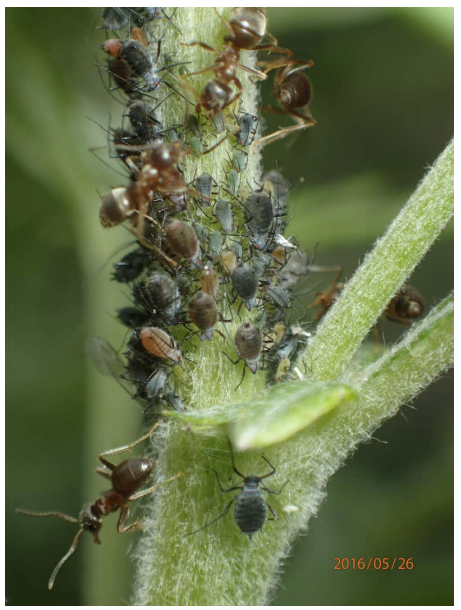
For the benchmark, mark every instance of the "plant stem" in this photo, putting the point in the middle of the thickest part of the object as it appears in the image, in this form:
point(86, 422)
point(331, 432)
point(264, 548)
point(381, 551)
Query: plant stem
point(384, 271)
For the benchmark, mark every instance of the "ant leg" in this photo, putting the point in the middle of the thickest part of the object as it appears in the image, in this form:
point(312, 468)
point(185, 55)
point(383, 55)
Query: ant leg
point(301, 63)
point(275, 518)
point(223, 514)
point(279, 135)
point(146, 492)
point(269, 474)
point(122, 528)
point(273, 491)
point(127, 447)
point(73, 546)
point(50, 514)
point(225, 491)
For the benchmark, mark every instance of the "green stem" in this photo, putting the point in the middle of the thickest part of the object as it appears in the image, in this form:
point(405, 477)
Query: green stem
point(384, 271)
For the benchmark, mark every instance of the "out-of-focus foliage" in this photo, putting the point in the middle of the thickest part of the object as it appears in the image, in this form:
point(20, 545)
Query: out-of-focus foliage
point(383, 83)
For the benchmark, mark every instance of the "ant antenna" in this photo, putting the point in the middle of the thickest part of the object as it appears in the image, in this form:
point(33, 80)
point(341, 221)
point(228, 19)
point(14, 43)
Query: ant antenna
point(70, 552)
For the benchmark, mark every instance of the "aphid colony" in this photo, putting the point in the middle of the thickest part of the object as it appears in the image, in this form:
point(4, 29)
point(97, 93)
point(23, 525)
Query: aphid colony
point(206, 251)
point(209, 254)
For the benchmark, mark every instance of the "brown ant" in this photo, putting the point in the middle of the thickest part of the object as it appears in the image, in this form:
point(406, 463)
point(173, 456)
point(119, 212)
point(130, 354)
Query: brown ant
point(293, 91)
point(126, 479)
point(248, 27)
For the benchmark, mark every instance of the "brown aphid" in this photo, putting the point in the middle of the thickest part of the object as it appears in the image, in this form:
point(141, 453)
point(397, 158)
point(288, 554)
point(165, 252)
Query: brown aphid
point(126, 479)
point(122, 75)
point(406, 306)
point(138, 35)
point(204, 314)
point(229, 261)
point(118, 205)
point(183, 239)
point(159, 343)
point(248, 343)
point(209, 281)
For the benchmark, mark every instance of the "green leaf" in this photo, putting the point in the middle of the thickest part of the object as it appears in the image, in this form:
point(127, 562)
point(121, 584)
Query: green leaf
point(284, 411)
point(277, 415)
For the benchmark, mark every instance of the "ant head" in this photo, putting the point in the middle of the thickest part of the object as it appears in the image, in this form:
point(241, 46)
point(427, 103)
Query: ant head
point(90, 523)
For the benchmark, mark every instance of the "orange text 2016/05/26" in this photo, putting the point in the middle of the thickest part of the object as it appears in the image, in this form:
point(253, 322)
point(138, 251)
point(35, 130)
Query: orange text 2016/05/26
point(373, 563)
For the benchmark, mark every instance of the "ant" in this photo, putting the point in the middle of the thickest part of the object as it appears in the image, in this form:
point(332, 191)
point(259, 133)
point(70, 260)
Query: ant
point(293, 91)
point(126, 478)
point(247, 27)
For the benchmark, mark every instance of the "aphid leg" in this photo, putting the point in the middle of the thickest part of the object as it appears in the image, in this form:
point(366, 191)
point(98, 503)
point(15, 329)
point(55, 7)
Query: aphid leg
point(73, 546)
point(275, 517)
point(234, 468)
point(225, 491)
point(122, 527)
point(150, 490)
point(273, 491)
point(269, 474)
point(127, 447)
point(223, 514)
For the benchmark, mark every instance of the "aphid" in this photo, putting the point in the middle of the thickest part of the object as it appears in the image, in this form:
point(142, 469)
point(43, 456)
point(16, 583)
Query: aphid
point(259, 212)
point(248, 343)
point(280, 297)
point(294, 342)
point(250, 511)
point(155, 385)
point(278, 187)
point(245, 284)
point(115, 18)
point(239, 160)
point(223, 211)
point(159, 343)
point(204, 314)
point(215, 243)
point(122, 76)
point(209, 281)
point(133, 317)
point(233, 181)
point(229, 261)
point(406, 306)
point(247, 123)
point(175, 401)
point(218, 122)
point(293, 91)
point(143, 122)
point(118, 205)
point(126, 480)
point(140, 62)
point(162, 293)
point(184, 240)
point(204, 186)
point(131, 266)
point(294, 265)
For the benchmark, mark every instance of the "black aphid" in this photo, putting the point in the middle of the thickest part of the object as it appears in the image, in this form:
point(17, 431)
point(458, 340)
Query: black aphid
point(245, 283)
point(250, 510)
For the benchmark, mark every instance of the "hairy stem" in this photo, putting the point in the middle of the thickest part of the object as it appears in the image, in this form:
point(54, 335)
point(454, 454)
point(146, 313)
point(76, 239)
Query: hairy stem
point(384, 271)
point(220, 565)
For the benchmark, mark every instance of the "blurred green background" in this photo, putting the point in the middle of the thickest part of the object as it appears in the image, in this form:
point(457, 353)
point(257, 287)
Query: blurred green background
point(383, 83)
